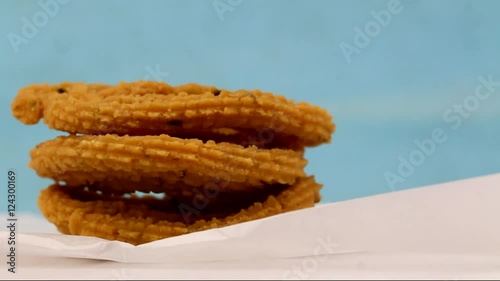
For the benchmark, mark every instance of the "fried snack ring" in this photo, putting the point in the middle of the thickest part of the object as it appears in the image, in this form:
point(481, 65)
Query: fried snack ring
point(87, 159)
point(31, 101)
point(134, 222)
point(152, 108)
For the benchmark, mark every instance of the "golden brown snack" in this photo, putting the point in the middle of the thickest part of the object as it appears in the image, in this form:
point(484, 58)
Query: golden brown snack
point(85, 160)
point(151, 108)
point(131, 221)
point(218, 157)
point(31, 101)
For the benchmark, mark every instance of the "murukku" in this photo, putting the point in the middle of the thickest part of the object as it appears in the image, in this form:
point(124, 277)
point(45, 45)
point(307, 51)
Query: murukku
point(146, 160)
point(130, 220)
point(86, 159)
point(152, 108)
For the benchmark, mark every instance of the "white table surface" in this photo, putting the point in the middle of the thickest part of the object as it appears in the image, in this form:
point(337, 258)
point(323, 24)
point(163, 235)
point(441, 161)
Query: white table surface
point(370, 265)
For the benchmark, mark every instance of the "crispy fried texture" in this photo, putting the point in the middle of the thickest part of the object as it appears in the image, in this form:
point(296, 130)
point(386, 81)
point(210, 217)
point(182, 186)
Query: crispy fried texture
point(31, 101)
point(132, 221)
point(218, 157)
point(152, 108)
point(82, 160)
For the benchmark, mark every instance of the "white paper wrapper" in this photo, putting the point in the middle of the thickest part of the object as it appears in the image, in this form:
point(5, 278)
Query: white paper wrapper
point(460, 218)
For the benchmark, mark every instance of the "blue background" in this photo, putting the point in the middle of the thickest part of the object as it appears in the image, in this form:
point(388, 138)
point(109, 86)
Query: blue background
point(391, 93)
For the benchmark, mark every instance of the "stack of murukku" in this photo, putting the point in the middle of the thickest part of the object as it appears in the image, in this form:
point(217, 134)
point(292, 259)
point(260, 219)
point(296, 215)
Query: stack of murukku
point(146, 160)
